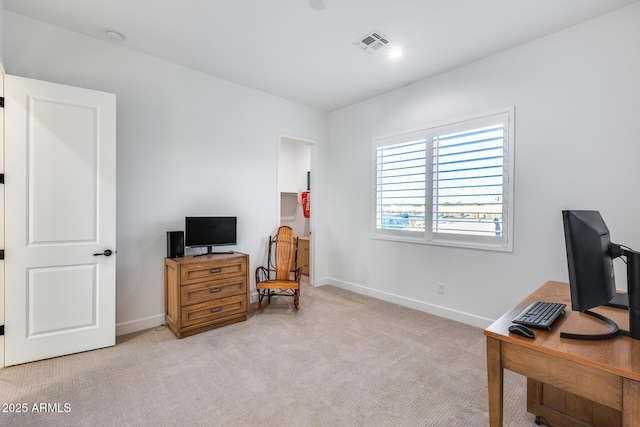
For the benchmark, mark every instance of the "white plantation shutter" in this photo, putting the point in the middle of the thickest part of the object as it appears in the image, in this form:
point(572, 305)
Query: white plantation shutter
point(447, 185)
point(400, 185)
point(470, 177)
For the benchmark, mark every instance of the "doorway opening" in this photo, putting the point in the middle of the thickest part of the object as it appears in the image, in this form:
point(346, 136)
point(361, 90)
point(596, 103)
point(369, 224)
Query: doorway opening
point(294, 198)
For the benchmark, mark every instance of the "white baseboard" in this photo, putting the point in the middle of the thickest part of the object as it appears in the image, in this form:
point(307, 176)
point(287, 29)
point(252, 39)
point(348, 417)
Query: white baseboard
point(447, 313)
point(139, 324)
point(322, 282)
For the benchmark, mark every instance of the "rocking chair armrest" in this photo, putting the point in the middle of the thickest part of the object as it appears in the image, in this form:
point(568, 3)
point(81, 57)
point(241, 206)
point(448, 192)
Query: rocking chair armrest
point(297, 273)
point(262, 274)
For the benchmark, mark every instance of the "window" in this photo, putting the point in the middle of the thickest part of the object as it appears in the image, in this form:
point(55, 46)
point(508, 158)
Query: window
point(448, 185)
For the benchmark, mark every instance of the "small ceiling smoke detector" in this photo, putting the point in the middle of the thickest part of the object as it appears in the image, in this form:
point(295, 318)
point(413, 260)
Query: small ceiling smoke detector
point(114, 35)
point(318, 4)
point(372, 41)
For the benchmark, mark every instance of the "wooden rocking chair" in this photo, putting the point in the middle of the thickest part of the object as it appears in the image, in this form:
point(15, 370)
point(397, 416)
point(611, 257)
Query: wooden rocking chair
point(281, 276)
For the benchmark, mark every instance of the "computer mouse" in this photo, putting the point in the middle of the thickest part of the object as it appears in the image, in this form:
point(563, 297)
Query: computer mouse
point(521, 330)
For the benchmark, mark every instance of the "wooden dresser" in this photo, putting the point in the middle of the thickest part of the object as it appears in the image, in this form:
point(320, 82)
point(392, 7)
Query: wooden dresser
point(205, 292)
point(303, 254)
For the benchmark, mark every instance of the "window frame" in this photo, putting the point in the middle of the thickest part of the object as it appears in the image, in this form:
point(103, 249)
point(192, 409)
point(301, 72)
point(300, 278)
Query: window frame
point(504, 242)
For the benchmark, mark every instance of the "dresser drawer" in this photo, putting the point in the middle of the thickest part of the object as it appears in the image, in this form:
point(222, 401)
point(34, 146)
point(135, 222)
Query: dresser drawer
point(212, 270)
point(212, 310)
point(212, 289)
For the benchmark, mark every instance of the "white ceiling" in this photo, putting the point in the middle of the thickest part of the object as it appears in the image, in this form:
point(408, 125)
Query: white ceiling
point(285, 48)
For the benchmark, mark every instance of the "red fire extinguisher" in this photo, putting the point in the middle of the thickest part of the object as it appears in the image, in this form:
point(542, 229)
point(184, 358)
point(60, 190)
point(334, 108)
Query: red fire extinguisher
point(306, 203)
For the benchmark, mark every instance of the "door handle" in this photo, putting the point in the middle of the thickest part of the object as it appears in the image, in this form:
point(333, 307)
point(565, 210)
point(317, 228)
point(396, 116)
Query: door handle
point(107, 252)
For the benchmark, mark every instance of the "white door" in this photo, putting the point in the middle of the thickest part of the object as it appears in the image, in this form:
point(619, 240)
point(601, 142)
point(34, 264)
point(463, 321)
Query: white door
point(60, 157)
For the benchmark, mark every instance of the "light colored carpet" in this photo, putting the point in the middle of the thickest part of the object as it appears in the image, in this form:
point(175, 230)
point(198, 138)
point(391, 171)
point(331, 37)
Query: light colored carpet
point(343, 360)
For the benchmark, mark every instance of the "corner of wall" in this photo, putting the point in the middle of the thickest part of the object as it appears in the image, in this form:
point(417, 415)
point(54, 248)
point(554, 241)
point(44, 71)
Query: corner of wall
point(139, 325)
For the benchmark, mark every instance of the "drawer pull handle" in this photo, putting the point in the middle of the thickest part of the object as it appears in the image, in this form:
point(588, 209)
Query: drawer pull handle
point(215, 310)
point(215, 290)
point(215, 270)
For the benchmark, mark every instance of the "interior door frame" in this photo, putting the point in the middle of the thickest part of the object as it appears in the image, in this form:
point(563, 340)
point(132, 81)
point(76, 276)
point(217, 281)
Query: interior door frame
point(313, 144)
point(2, 347)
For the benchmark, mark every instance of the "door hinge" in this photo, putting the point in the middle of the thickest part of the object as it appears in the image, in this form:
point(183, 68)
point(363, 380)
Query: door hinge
point(1, 330)
point(1, 101)
point(1, 253)
point(1, 178)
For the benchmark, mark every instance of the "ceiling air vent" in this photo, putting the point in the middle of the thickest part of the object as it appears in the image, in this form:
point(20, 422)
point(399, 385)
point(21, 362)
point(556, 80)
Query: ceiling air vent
point(371, 42)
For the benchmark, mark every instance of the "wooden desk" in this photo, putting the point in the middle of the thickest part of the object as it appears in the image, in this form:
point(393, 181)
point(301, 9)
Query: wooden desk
point(606, 373)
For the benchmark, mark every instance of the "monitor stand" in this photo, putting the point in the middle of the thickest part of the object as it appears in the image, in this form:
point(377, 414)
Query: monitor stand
point(211, 252)
point(614, 330)
point(619, 301)
point(630, 301)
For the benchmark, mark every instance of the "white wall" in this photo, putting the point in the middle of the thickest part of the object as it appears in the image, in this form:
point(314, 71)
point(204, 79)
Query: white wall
point(293, 164)
point(577, 99)
point(188, 144)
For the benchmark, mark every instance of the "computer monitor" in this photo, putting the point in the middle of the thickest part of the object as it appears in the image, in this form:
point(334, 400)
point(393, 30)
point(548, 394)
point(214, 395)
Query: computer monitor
point(589, 259)
point(209, 231)
point(590, 255)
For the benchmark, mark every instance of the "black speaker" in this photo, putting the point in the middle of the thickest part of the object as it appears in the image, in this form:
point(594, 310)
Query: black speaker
point(175, 244)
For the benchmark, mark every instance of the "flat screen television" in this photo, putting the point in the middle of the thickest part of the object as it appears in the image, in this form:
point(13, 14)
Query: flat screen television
point(590, 255)
point(210, 231)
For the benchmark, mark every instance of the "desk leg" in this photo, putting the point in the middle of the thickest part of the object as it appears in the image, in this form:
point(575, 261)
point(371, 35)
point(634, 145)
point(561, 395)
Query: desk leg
point(630, 403)
point(495, 378)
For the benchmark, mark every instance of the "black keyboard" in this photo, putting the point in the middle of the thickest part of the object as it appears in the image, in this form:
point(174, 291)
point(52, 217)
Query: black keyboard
point(540, 314)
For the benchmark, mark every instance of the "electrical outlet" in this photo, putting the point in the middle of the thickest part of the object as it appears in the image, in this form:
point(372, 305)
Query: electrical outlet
point(441, 288)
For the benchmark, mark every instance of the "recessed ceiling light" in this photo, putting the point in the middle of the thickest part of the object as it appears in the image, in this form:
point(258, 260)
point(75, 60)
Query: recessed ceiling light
point(395, 53)
point(114, 35)
point(318, 4)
